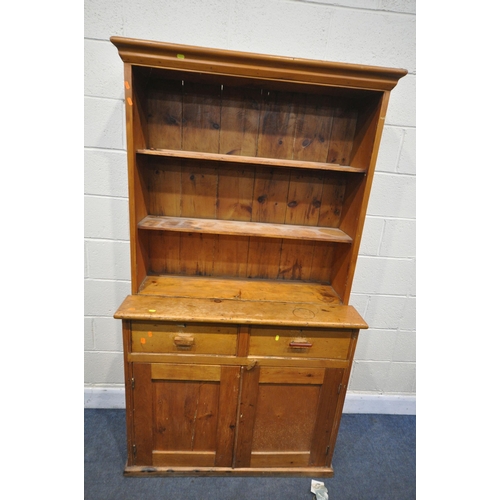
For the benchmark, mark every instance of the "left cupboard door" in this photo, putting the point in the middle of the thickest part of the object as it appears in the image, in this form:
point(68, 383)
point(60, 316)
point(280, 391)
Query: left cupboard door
point(184, 415)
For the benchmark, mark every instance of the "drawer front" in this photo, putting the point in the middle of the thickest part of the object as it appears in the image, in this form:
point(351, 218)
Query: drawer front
point(190, 338)
point(301, 343)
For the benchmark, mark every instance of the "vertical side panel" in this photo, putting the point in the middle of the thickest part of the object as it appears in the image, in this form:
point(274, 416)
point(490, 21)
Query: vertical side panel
point(375, 119)
point(365, 145)
point(228, 408)
point(328, 400)
point(322, 261)
point(246, 416)
point(129, 403)
point(143, 414)
point(341, 400)
point(340, 270)
point(135, 110)
point(352, 200)
point(136, 138)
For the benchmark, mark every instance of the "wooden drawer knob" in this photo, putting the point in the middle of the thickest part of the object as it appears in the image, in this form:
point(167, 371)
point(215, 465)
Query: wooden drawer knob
point(184, 341)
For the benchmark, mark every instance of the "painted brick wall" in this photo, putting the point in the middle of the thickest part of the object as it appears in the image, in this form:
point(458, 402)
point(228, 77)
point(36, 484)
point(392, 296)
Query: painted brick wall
point(376, 32)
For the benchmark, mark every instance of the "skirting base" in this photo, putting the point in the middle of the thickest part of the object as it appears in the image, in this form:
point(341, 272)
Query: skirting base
point(142, 471)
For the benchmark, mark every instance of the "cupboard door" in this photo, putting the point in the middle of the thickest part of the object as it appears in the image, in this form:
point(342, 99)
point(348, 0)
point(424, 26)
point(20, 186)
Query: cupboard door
point(184, 415)
point(286, 416)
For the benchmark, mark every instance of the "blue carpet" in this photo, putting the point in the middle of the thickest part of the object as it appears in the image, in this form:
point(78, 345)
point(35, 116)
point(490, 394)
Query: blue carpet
point(374, 460)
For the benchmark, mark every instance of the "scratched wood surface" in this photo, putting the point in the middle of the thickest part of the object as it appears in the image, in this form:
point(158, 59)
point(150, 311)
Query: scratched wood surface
point(239, 289)
point(242, 312)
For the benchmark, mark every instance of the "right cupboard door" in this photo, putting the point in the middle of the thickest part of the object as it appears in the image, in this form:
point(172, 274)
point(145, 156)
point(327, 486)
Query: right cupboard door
point(286, 416)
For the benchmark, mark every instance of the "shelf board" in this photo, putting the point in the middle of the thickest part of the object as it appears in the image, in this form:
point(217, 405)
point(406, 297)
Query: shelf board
point(243, 228)
point(155, 308)
point(204, 287)
point(239, 301)
point(250, 160)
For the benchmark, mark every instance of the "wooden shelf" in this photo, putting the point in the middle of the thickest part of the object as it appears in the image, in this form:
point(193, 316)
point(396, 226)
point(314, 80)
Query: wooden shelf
point(238, 228)
point(216, 300)
point(154, 308)
point(256, 290)
point(250, 160)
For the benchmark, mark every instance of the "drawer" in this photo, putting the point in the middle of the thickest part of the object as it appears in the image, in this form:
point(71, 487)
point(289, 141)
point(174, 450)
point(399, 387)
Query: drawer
point(190, 338)
point(302, 343)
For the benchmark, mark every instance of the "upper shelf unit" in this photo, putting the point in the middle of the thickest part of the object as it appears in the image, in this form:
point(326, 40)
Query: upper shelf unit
point(249, 166)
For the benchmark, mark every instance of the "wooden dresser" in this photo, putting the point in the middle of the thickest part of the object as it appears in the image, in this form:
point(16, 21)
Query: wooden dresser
point(249, 177)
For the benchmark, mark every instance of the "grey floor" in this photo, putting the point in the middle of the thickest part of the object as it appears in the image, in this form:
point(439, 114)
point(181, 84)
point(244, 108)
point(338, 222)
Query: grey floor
point(374, 460)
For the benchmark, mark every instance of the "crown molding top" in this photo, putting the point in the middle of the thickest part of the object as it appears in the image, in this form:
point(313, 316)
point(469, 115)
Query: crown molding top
point(252, 65)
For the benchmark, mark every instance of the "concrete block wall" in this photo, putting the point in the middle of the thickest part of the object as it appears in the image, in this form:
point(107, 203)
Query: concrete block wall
point(375, 32)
